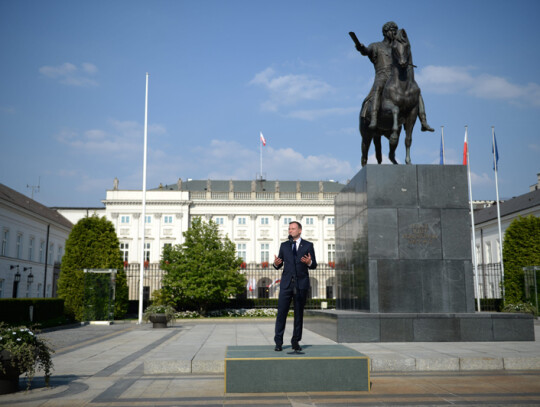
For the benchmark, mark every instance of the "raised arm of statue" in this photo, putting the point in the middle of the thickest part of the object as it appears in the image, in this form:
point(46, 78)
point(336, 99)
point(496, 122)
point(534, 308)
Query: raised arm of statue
point(359, 46)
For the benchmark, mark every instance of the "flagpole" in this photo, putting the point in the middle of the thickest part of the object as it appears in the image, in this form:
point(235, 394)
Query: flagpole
point(141, 276)
point(475, 265)
point(442, 144)
point(495, 167)
point(260, 147)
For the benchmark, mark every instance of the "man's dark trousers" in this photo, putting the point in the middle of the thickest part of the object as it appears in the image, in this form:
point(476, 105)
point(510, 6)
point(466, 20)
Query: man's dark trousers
point(284, 301)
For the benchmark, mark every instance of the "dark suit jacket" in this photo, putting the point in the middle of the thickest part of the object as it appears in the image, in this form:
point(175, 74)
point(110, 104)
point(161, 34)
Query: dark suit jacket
point(302, 273)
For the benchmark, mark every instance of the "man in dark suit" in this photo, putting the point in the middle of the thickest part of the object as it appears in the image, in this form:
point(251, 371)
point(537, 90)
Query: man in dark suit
point(299, 256)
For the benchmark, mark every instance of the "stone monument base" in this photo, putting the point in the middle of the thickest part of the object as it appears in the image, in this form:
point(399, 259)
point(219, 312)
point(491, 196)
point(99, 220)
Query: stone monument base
point(354, 326)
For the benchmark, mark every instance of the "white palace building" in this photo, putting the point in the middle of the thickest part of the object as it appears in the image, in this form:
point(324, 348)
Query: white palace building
point(255, 215)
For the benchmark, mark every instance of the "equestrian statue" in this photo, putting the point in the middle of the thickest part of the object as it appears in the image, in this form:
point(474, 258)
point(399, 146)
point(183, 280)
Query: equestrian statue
point(395, 100)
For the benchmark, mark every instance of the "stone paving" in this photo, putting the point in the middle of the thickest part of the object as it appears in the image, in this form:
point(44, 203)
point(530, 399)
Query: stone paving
point(132, 365)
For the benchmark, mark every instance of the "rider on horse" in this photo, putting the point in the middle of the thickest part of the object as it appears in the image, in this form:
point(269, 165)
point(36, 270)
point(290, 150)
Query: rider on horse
point(380, 54)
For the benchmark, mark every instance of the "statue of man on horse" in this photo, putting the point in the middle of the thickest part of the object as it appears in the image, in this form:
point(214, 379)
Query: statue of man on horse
point(394, 108)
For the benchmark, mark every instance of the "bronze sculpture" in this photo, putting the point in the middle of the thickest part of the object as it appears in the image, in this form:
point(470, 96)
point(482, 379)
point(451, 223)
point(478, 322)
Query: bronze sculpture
point(395, 99)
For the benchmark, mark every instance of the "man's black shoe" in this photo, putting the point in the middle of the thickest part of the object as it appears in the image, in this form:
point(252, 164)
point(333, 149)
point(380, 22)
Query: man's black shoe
point(296, 346)
point(278, 348)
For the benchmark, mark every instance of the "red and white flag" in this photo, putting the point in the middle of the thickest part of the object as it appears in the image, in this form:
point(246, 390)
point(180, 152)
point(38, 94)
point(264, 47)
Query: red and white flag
point(465, 149)
point(263, 140)
point(277, 280)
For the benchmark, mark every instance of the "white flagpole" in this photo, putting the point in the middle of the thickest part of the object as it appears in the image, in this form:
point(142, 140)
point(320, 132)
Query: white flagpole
point(475, 265)
point(498, 208)
point(141, 276)
point(442, 140)
point(261, 146)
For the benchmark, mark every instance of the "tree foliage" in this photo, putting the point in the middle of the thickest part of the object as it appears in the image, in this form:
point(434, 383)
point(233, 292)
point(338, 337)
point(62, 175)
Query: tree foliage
point(92, 244)
point(203, 270)
point(521, 249)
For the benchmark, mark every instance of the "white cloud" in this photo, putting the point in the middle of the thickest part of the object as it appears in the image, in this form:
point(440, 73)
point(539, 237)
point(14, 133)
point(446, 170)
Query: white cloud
point(69, 74)
point(480, 180)
point(289, 89)
point(452, 79)
point(123, 138)
point(224, 159)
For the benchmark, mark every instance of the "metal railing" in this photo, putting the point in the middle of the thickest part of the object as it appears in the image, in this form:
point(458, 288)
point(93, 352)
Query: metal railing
point(489, 281)
point(489, 287)
point(261, 281)
point(531, 279)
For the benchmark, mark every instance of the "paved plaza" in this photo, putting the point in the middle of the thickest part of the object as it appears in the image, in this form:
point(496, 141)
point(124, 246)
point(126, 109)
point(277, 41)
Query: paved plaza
point(126, 364)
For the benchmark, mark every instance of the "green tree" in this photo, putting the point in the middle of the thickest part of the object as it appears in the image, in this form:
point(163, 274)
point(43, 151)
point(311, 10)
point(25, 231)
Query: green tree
point(92, 243)
point(203, 270)
point(521, 248)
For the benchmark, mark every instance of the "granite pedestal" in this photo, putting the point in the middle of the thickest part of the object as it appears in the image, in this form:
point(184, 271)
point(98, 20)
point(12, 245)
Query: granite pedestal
point(403, 261)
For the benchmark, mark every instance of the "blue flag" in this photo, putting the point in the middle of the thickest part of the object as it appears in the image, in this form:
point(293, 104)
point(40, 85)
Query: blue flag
point(495, 152)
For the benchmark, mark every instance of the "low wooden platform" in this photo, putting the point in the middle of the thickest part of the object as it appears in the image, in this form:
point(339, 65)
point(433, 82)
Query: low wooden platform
point(260, 369)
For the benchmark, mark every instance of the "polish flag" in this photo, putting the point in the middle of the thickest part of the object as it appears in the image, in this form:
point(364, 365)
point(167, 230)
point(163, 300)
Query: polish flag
point(465, 148)
point(263, 140)
point(277, 280)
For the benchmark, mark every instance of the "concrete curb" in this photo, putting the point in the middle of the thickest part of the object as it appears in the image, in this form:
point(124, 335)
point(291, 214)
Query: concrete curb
point(379, 365)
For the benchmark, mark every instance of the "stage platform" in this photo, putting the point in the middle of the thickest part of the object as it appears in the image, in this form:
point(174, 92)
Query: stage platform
point(260, 369)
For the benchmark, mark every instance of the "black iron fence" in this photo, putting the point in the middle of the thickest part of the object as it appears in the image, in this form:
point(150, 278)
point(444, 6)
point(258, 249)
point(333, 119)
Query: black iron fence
point(262, 284)
point(262, 281)
point(531, 277)
point(489, 289)
point(489, 281)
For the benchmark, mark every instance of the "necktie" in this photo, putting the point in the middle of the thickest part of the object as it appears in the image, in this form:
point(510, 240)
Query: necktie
point(294, 249)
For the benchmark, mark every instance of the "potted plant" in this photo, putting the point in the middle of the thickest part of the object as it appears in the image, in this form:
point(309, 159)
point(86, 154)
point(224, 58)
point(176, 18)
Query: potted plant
point(22, 351)
point(160, 315)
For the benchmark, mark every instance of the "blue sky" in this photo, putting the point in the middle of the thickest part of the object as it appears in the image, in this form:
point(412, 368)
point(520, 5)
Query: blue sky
point(72, 88)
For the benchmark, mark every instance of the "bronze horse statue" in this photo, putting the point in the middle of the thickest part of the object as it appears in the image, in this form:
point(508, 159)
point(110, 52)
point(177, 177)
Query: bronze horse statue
point(399, 105)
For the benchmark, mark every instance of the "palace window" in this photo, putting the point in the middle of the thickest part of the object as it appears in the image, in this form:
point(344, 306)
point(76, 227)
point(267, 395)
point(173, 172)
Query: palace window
point(31, 249)
point(41, 251)
point(124, 249)
point(167, 219)
point(19, 245)
point(51, 251)
point(219, 221)
point(265, 252)
point(242, 221)
point(125, 219)
point(148, 219)
point(309, 221)
point(5, 239)
point(241, 251)
point(331, 252)
point(147, 252)
point(264, 221)
point(286, 221)
point(331, 221)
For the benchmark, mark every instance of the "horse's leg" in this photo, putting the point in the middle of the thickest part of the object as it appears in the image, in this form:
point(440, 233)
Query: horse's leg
point(377, 143)
point(393, 147)
point(366, 140)
point(395, 125)
point(409, 125)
